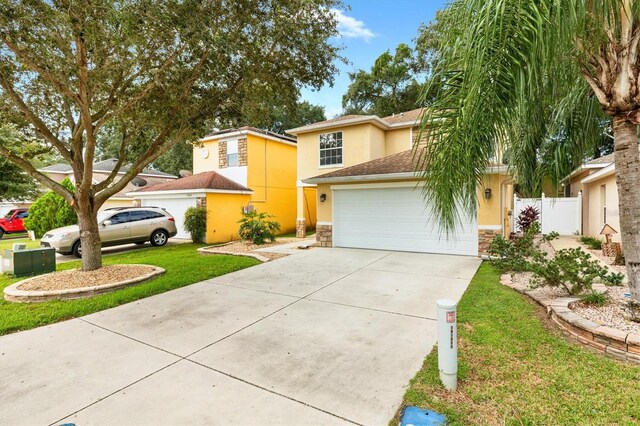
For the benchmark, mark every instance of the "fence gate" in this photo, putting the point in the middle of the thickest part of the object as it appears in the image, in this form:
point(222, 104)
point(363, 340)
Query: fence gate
point(563, 215)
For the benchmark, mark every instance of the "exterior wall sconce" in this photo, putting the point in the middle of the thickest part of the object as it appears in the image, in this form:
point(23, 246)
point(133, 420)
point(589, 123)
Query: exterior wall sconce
point(487, 193)
point(323, 198)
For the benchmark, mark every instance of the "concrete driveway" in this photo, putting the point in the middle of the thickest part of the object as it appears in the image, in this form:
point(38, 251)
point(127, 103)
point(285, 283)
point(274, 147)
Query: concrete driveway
point(327, 336)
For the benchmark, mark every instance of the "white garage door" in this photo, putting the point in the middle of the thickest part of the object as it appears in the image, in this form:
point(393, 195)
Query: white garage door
point(176, 207)
point(396, 218)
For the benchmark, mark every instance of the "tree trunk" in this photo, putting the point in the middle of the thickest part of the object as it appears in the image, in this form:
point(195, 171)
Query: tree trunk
point(90, 237)
point(627, 163)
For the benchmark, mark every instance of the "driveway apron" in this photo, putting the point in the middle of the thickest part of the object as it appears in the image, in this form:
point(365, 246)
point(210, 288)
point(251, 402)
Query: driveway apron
point(326, 336)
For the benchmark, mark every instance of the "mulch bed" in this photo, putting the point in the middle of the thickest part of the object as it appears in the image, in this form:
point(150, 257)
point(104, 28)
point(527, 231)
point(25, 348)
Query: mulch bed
point(76, 278)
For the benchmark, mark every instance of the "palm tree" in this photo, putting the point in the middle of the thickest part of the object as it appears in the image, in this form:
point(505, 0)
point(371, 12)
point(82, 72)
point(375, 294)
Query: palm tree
point(535, 79)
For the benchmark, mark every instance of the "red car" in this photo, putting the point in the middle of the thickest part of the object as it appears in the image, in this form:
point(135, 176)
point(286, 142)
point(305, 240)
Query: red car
point(12, 221)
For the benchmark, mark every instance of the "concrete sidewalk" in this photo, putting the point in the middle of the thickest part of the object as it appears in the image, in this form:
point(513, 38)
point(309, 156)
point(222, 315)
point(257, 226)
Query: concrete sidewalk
point(326, 336)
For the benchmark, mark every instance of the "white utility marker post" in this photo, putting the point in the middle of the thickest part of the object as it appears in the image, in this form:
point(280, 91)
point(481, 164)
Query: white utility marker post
point(448, 343)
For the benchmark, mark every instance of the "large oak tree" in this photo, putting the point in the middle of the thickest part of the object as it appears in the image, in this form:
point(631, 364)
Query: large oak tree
point(155, 72)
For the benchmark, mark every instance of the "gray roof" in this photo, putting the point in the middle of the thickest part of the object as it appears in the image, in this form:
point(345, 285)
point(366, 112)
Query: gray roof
point(604, 160)
point(105, 166)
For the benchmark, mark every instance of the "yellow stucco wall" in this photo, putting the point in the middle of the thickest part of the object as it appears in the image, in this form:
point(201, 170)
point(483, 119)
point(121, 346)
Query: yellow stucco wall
point(208, 164)
point(360, 143)
point(309, 206)
point(271, 174)
point(398, 140)
point(223, 213)
point(489, 211)
point(594, 207)
point(117, 203)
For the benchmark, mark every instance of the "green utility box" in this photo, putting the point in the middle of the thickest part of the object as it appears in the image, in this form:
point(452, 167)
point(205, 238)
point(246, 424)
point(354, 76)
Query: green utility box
point(31, 262)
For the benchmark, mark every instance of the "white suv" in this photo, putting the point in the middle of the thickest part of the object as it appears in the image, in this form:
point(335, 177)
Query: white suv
point(120, 225)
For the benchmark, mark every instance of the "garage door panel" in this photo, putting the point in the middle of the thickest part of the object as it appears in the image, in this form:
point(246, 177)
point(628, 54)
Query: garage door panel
point(396, 219)
point(176, 207)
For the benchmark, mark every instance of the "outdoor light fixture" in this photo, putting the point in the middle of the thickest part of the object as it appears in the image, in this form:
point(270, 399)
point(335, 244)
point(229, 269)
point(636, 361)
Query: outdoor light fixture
point(323, 198)
point(487, 193)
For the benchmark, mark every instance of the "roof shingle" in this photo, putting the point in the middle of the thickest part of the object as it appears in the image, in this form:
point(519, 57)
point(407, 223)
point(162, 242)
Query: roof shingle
point(402, 162)
point(204, 180)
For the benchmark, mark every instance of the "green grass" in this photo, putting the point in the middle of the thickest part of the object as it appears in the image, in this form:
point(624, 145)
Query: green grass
point(182, 263)
point(592, 243)
point(7, 243)
point(515, 368)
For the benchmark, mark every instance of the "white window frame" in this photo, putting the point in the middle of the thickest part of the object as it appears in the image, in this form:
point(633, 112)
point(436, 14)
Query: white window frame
point(232, 149)
point(320, 150)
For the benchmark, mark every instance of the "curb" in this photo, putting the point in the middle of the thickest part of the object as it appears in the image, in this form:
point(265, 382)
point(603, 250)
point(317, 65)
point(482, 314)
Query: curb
point(212, 250)
point(602, 339)
point(13, 294)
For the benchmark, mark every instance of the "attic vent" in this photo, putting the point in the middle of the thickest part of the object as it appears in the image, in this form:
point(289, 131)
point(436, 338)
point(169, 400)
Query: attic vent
point(138, 181)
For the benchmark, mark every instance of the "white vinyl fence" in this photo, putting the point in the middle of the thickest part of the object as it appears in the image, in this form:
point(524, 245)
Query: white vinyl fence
point(562, 215)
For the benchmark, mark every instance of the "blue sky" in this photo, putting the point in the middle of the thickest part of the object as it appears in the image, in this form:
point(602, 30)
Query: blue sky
point(369, 28)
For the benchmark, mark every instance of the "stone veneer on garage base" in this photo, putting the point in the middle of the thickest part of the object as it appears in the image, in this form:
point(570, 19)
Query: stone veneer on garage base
point(301, 228)
point(324, 235)
point(485, 236)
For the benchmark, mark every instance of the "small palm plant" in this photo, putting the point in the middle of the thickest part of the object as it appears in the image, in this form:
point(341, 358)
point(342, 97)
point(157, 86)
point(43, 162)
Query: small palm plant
point(257, 227)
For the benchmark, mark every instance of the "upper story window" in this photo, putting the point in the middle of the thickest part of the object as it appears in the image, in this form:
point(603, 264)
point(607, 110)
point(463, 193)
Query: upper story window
point(331, 149)
point(232, 153)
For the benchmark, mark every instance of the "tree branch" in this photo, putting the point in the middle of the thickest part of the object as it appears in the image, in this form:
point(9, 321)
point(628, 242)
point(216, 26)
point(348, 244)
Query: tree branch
point(39, 125)
point(37, 68)
point(40, 177)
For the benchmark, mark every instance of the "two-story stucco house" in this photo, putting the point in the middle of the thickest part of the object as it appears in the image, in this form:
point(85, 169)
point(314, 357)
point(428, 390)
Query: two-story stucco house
point(234, 170)
point(361, 172)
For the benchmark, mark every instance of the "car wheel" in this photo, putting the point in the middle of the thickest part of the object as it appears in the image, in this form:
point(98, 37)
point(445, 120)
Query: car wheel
point(77, 250)
point(139, 243)
point(1, 233)
point(159, 238)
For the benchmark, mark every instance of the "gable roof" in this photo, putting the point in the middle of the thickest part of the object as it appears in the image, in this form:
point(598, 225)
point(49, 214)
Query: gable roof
point(105, 166)
point(204, 180)
point(604, 160)
point(402, 119)
point(249, 129)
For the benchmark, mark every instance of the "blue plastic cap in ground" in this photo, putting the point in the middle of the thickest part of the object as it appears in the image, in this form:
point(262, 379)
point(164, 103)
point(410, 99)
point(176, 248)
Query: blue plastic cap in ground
point(415, 416)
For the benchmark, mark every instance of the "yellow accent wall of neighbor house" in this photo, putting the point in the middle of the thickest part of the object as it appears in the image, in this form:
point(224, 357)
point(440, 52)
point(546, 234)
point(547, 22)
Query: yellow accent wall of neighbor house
point(271, 174)
point(211, 163)
point(223, 213)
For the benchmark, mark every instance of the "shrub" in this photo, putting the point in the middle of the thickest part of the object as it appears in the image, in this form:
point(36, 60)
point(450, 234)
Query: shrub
point(594, 298)
point(572, 269)
point(257, 227)
point(195, 223)
point(613, 279)
point(51, 211)
point(527, 217)
point(592, 243)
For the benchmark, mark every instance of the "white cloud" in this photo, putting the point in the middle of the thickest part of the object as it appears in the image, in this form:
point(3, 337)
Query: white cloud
point(350, 27)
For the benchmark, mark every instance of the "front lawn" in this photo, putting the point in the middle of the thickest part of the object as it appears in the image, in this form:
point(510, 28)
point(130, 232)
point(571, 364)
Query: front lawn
point(7, 243)
point(182, 263)
point(515, 368)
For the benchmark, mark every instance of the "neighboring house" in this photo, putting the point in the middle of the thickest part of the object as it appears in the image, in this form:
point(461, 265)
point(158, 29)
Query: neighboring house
point(101, 171)
point(362, 170)
point(597, 181)
point(234, 170)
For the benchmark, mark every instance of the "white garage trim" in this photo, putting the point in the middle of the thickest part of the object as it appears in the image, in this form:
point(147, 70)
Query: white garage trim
point(395, 216)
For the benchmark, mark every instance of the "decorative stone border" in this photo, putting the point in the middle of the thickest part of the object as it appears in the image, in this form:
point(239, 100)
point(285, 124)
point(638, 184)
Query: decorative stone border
point(12, 294)
point(215, 250)
point(610, 341)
